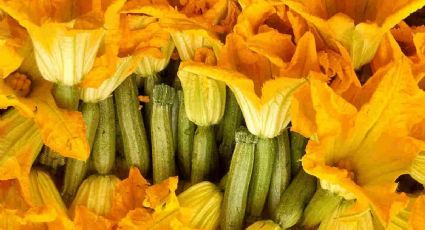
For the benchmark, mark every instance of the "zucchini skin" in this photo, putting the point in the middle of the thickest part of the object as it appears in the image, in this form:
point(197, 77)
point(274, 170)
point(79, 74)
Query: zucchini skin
point(136, 148)
point(237, 182)
point(163, 153)
point(298, 144)
point(203, 159)
point(104, 146)
point(294, 199)
point(185, 134)
point(281, 174)
point(264, 159)
point(75, 170)
point(232, 119)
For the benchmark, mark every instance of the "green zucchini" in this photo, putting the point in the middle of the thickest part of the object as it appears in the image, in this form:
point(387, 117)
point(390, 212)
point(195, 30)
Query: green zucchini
point(161, 133)
point(185, 135)
point(294, 199)
point(323, 203)
point(232, 119)
point(264, 159)
point(203, 154)
point(103, 151)
point(237, 181)
point(136, 149)
point(281, 174)
point(76, 170)
point(148, 87)
point(298, 143)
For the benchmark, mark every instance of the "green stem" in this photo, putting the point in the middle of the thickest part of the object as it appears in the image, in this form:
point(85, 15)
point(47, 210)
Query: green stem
point(136, 149)
point(320, 206)
point(298, 144)
point(161, 133)
point(264, 158)
point(202, 154)
point(66, 97)
point(185, 135)
point(237, 182)
point(103, 152)
point(281, 174)
point(175, 118)
point(232, 119)
point(76, 170)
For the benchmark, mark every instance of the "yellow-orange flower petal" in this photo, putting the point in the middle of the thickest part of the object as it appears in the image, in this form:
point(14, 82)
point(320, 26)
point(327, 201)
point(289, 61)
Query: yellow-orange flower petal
point(359, 25)
point(363, 145)
point(61, 130)
point(86, 219)
point(14, 44)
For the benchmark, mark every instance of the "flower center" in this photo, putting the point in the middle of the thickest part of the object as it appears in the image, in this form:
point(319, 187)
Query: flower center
point(20, 83)
point(205, 55)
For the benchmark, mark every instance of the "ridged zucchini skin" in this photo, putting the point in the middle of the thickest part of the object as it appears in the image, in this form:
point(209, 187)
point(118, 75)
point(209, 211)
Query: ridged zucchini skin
point(237, 182)
point(298, 144)
point(264, 159)
point(185, 135)
point(294, 199)
point(281, 174)
point(203, 159)
point(163, 153)
point(75, 170)
point(231, 121)
point(136, 148)
point(104, 146)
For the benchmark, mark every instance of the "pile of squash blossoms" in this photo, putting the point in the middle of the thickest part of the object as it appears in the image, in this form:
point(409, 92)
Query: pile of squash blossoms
point(115, 114)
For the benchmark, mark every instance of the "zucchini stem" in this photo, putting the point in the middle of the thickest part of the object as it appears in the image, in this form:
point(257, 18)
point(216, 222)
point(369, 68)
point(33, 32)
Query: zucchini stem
point(203, 154)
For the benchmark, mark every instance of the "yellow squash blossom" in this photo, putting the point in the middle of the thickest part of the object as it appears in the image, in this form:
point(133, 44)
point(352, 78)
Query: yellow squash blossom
point(144, 38)
point(362, 145)
point(14, 44)
point(137, 205)
point(15, 213)
point(358, 25)
point(61, 130)
point(20, 143)
point(264, 99)
point(45, 209)
point(263, 24)
point(65, 36)
point(417, 213)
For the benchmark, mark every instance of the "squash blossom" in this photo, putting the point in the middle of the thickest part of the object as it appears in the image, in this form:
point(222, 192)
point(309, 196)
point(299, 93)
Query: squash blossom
point(95, 193)
point(19, 146)
point(264, 100)
point(358, 25)
point(16, 213)
point(361, 145)
point(66, 37)
point(264, 225)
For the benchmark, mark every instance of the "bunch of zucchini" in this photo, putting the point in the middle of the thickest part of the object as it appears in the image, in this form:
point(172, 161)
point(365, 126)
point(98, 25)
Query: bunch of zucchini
point(261, 177)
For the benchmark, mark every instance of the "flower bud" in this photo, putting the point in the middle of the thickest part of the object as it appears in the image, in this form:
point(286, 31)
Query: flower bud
point(96, 193)
point(264, 225)
point(204, 201)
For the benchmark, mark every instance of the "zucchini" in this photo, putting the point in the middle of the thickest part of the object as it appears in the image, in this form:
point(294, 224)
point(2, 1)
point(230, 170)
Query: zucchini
point(281, 174)
point(76, 170)
point(161, 133)
point(148, 87)
point(136, 149)
point(294, 199)
point(203, 154)
point(103, 151)
point(237, 181)
point(298, 143)
point(264, 159)
point(185, 135)
point(323, 203)
point(232, 119)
